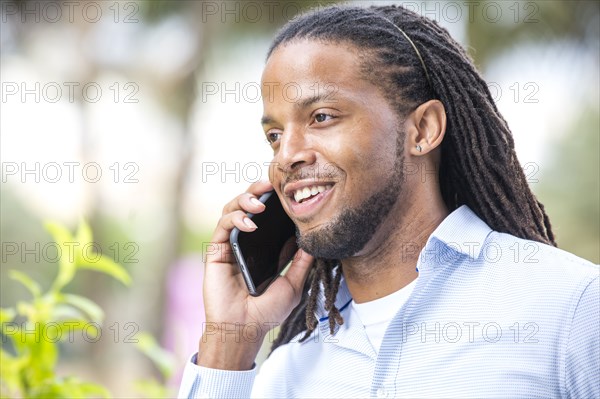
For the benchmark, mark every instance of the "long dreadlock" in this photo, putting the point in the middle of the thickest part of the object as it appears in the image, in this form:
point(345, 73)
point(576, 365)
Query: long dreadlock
point(478, 166)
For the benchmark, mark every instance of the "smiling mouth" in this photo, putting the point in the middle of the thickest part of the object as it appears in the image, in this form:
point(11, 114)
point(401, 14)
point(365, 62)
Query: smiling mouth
point(307, 193)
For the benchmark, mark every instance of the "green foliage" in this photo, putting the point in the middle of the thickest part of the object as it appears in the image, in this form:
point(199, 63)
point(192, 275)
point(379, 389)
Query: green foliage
point(35, 328)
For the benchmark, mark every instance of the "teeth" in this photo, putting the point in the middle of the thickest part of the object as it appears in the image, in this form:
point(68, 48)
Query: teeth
point(306, 192)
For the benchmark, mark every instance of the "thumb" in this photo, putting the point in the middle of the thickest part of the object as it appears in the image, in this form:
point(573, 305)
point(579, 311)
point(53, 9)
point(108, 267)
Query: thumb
point(298, 271)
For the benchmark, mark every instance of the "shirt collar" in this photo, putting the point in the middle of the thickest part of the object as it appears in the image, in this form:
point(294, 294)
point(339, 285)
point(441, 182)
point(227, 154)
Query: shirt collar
point(463, 231)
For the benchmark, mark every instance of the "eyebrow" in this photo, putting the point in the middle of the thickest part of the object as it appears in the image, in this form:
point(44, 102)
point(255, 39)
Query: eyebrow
point(309, 101)
point(266, 120)
point(303, 103)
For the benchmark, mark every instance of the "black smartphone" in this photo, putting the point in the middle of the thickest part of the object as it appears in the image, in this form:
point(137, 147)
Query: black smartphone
point(264, 253)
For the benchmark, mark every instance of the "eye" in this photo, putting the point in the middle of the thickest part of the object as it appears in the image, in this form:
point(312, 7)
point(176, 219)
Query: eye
point(273, 137)
point(322, 117)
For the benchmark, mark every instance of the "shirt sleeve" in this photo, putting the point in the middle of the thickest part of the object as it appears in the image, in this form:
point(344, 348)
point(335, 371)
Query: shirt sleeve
point(203, 382)
point(583, 347)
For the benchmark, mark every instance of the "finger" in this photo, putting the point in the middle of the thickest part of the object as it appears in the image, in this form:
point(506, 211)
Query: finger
point(298, 271)
point(227, 222)
point(248, 201)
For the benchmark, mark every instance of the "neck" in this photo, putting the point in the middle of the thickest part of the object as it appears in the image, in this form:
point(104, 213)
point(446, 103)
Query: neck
point(389, 265)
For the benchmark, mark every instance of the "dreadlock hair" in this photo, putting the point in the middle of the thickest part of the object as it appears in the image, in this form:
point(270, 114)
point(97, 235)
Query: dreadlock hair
point(478, 165)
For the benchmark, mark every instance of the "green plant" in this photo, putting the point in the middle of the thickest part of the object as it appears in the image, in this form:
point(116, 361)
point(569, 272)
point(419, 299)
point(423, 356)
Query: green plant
point(29, 371)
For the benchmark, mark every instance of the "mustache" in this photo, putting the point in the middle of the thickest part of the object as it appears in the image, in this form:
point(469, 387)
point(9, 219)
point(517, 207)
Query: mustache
point(328, 171)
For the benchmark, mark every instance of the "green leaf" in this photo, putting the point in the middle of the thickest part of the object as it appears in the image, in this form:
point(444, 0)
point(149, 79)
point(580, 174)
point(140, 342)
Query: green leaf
point(41, 340)
point(89, 307)
point(10, 372)
point(65, 240)
point(106, 265)
point(24, 279)
point(66, 272)
point(161, 358)
point(59, 233)
point(84, 233)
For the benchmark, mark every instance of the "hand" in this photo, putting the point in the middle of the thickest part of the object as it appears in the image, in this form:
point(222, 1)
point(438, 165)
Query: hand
point(233, 317)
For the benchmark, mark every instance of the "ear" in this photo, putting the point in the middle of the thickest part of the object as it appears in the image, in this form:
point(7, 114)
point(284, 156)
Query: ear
point(426, 127)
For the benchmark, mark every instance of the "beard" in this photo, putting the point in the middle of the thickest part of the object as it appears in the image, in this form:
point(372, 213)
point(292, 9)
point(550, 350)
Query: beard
point(349, 232)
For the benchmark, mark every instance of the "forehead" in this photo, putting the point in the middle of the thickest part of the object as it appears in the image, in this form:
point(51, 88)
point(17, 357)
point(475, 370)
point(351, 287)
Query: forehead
point(310, 62)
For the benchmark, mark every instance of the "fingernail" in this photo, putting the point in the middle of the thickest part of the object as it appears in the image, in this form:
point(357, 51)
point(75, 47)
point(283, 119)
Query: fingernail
point(255, 201)
point(250, 223)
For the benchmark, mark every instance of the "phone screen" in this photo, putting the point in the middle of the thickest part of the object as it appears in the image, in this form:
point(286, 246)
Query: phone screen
point(264, 253)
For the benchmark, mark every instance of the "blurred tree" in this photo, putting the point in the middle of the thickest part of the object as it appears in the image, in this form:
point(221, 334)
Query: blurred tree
point(493, 29)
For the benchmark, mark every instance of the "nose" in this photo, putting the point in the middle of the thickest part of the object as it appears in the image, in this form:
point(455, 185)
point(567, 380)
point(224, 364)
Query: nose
point(295, 150)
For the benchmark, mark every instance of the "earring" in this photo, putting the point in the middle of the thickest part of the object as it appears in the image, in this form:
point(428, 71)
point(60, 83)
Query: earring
point(419, 148)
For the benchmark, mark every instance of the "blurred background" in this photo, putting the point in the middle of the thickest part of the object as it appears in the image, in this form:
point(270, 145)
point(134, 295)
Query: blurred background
point(142, 117)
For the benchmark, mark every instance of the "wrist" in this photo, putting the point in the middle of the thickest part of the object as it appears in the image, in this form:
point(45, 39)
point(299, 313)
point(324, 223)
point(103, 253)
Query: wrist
point(227, 347)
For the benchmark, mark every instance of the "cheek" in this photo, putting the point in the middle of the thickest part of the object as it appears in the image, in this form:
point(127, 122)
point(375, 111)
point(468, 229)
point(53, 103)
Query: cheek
point(369, 149)
point(275, 175)
point(272, 171)
point(367, 164)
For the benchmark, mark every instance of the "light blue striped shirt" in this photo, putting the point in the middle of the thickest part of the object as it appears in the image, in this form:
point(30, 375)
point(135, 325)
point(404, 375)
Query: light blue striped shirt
point(491, 315)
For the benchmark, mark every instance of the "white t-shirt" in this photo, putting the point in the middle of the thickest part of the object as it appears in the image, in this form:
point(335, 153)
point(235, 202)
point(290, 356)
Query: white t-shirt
point(376, 315)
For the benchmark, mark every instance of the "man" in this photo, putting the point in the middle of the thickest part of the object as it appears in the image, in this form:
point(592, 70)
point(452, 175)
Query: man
point(427, 267)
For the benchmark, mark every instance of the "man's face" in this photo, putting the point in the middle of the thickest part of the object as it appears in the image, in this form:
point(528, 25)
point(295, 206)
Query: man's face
point(337, 165)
